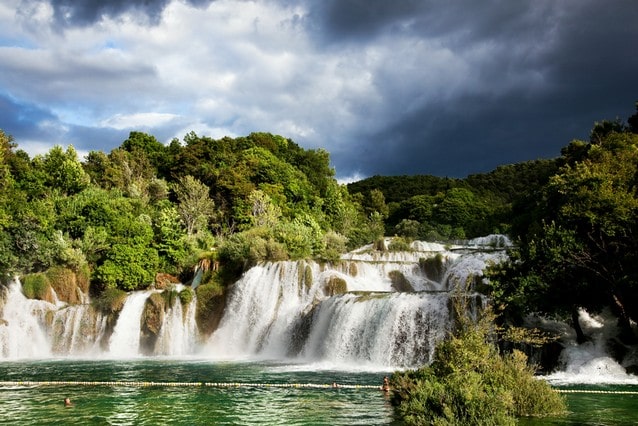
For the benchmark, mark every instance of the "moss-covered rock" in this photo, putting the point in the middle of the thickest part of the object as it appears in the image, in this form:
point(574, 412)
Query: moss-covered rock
point(110, 301)
point(400, 282)
point(305, 278)
point(151, 322)
point(352, 269)
point(163, 281)
point(65, 283)
point(211, 302)
point(37, 286)
point(335, 285)
point(186, 296)
point(433, 267)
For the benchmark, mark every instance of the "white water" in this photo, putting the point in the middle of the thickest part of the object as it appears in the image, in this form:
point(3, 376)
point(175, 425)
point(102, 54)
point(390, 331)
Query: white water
point(77, 330)
point(590, 362)
point(125, 340)
point(178, 335)
point(273, 312)
point(21, 331)
point(392, 329)
point(287, 311)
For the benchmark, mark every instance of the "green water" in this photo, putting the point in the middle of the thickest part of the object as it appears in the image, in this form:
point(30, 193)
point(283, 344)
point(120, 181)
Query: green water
point(203, 405)
point(197, 405)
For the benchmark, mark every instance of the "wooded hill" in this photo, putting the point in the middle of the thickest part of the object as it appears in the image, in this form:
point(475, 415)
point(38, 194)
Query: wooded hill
point(118, 219)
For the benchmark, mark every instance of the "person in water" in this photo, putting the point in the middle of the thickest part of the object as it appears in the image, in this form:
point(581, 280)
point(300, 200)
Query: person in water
point(386, 384)
point(67, 402)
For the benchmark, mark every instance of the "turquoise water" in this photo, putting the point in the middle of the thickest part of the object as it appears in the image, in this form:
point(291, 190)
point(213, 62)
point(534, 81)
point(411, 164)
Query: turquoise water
point(206, 405)
point(596, 409)
point(187, 405)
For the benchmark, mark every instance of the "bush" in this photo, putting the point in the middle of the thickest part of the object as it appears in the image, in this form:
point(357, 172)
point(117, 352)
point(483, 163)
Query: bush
point(37, 286)
point(399, 244)
point(334, 246)
point(470, 382)
point(186, 296)
point(111, 300)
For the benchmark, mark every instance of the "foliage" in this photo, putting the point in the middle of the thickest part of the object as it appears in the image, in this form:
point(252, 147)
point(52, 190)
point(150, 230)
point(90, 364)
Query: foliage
point(578, 245)
point(334, 245)
point(470, 382)
point(195, 205)
point(399, 244)
point(110, 300)
point(186, 296)
point(36, 286)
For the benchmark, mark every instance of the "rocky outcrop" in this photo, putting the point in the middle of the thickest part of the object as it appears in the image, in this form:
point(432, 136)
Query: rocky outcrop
point(400, 282)
point(211, 302)
point(151, 322)
point(335, 285)
point(163, 281)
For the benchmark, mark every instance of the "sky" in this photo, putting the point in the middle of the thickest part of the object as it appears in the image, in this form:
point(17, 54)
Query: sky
point(402, 87)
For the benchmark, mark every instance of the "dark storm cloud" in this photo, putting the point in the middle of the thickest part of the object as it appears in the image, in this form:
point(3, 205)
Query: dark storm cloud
point(387, 87)
point(87, 12)
point(568, 64)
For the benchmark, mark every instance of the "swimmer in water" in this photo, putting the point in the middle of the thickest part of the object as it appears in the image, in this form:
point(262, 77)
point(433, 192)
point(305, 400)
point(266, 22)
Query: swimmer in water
point(67, 402)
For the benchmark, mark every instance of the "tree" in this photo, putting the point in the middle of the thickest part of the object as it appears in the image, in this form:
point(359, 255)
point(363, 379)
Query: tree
point(195, 205)
point(64, 171)
point(580, 249)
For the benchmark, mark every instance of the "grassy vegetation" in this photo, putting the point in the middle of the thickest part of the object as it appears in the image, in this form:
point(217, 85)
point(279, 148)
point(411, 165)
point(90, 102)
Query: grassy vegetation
point(470, 382)
point(37, 286)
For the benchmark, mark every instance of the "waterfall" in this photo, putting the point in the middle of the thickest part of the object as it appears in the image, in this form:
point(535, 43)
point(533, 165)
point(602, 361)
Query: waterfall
point(22, 330)
point(77, 330)
point(374, 308)
point(391, 329)
point(125, 340)
point(590, 362)
point(178, 334)
point(371, 308)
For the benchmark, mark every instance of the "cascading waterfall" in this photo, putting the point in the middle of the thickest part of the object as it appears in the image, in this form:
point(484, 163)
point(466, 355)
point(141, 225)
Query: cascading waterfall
point(376, 308)
point(352, 314)
point(21, 328)
point(380, 329)
point(178, 335)
point(77, 330)
point(125, 340)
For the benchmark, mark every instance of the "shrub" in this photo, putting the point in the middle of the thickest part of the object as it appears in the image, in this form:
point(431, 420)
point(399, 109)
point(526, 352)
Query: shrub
point(470, 382)
point(334, 246)
point(37, 286)
point(186, 296)
point(399, 244)
point(110, 300)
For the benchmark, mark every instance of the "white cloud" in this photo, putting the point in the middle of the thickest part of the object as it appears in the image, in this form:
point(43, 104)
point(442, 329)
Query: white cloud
point(138, 120)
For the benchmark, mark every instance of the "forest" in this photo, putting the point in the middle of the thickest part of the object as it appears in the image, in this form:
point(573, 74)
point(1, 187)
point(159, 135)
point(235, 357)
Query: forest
point(121, 221)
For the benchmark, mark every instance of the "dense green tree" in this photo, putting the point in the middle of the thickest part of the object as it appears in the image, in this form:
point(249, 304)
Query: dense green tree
point(63, 170)
point(580, 249)
point(195, 206)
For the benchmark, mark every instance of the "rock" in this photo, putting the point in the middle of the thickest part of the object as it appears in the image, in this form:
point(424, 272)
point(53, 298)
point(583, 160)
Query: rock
point(632, 369)
point(162, 280)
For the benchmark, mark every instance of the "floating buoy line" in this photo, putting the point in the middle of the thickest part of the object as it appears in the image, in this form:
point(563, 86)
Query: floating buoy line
point(250, 385)
point(186, 384)
point(611, 392)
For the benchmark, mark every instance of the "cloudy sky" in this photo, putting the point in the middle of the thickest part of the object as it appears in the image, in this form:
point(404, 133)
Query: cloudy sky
point(447, 88)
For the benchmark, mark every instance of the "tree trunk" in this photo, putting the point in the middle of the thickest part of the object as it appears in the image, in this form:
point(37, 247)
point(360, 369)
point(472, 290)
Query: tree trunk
point(627, 335)
point(580, 336)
